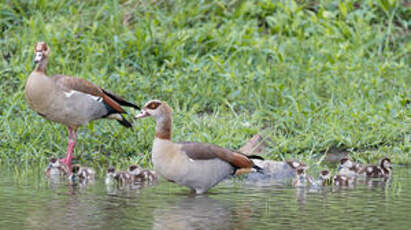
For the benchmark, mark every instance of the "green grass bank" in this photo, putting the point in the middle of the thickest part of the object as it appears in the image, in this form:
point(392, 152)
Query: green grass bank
point(311, 76)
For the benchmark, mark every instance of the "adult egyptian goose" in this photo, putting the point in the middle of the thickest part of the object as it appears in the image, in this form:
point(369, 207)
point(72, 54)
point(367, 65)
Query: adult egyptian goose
point(70, 101)
point(198, 166)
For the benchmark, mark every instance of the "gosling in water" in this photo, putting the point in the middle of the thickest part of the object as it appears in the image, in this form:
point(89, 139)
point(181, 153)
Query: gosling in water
point(55, 168)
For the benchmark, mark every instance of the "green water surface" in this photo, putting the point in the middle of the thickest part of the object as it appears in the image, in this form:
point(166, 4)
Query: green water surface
point(28, 200)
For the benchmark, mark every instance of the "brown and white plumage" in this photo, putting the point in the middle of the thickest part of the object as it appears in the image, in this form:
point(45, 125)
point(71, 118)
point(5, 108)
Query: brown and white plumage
point(349, 168)
point(383, 170)
point(324, 178)
point(198, 166)
point(55, 168)
point(280, 171)
point(301, 178)
point(139, 175)
point(69, 100)
point(81, 174)
point(343, 180)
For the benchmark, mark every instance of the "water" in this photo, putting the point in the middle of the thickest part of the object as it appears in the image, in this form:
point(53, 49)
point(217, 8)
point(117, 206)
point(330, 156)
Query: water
point(30, 201)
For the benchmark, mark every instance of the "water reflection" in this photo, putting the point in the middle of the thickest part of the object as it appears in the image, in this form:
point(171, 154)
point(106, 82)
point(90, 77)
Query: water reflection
point(35, 202)
point(193, 212)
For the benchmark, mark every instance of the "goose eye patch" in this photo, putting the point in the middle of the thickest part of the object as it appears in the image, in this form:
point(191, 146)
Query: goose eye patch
point(153, 105)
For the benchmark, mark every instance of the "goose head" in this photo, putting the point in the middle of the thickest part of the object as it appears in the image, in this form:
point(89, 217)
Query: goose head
point(41, 52)
point(156, 109)
point(162, 113)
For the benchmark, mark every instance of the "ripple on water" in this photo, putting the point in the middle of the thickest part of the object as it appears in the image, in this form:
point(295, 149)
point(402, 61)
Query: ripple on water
point(33, 202)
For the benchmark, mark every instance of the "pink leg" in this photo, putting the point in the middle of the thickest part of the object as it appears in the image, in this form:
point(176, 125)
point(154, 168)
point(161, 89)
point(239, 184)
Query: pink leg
point(70, 148)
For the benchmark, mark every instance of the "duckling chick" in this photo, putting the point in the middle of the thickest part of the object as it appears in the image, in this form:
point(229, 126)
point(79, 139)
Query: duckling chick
point(141, 175)
point(324, 178)
point(82, 174)
point(123, 178)
point(373, 171)
point(275, 170)
point(349, 168)
point(385, 165)
point(134, 170)
point(55, 168)
point(145, 176)
point(295, 164)
point(120, 177)
point(301, 179)
point(343, 180)
point(110, 174)
point(384, 169)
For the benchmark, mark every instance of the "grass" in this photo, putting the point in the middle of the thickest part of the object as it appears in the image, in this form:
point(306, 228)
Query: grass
point(310, 75)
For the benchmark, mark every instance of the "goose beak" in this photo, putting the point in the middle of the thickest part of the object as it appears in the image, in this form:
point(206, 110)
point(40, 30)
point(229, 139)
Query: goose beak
point(38, 57)
point(142, 114)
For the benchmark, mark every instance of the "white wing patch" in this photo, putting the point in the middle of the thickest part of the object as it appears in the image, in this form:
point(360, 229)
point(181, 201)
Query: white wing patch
point(72, 92)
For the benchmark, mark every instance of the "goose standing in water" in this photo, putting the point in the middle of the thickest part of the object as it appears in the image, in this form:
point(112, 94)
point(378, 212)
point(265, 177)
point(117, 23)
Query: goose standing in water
point(198, 166)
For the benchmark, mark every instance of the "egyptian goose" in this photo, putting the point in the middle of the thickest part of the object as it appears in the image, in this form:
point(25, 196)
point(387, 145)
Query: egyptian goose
point(324, 178)
point(55, 168)
point(123, 178)
point(385, 165)
point(343, 180)
point(348, 167)
point(120, 177)
point(134, 170)
point(111, 173)
point(384, 169)
point(276, 170)
point(82, 174)
point(301, 178)
point(198, 166)
point(141, 175)
point(70, 101)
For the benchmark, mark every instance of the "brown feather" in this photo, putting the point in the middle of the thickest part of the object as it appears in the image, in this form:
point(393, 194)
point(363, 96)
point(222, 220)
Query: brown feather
point(203, 151)
point(119, 99)
point(84, 86)
point(78, 84)
point(112, 104)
